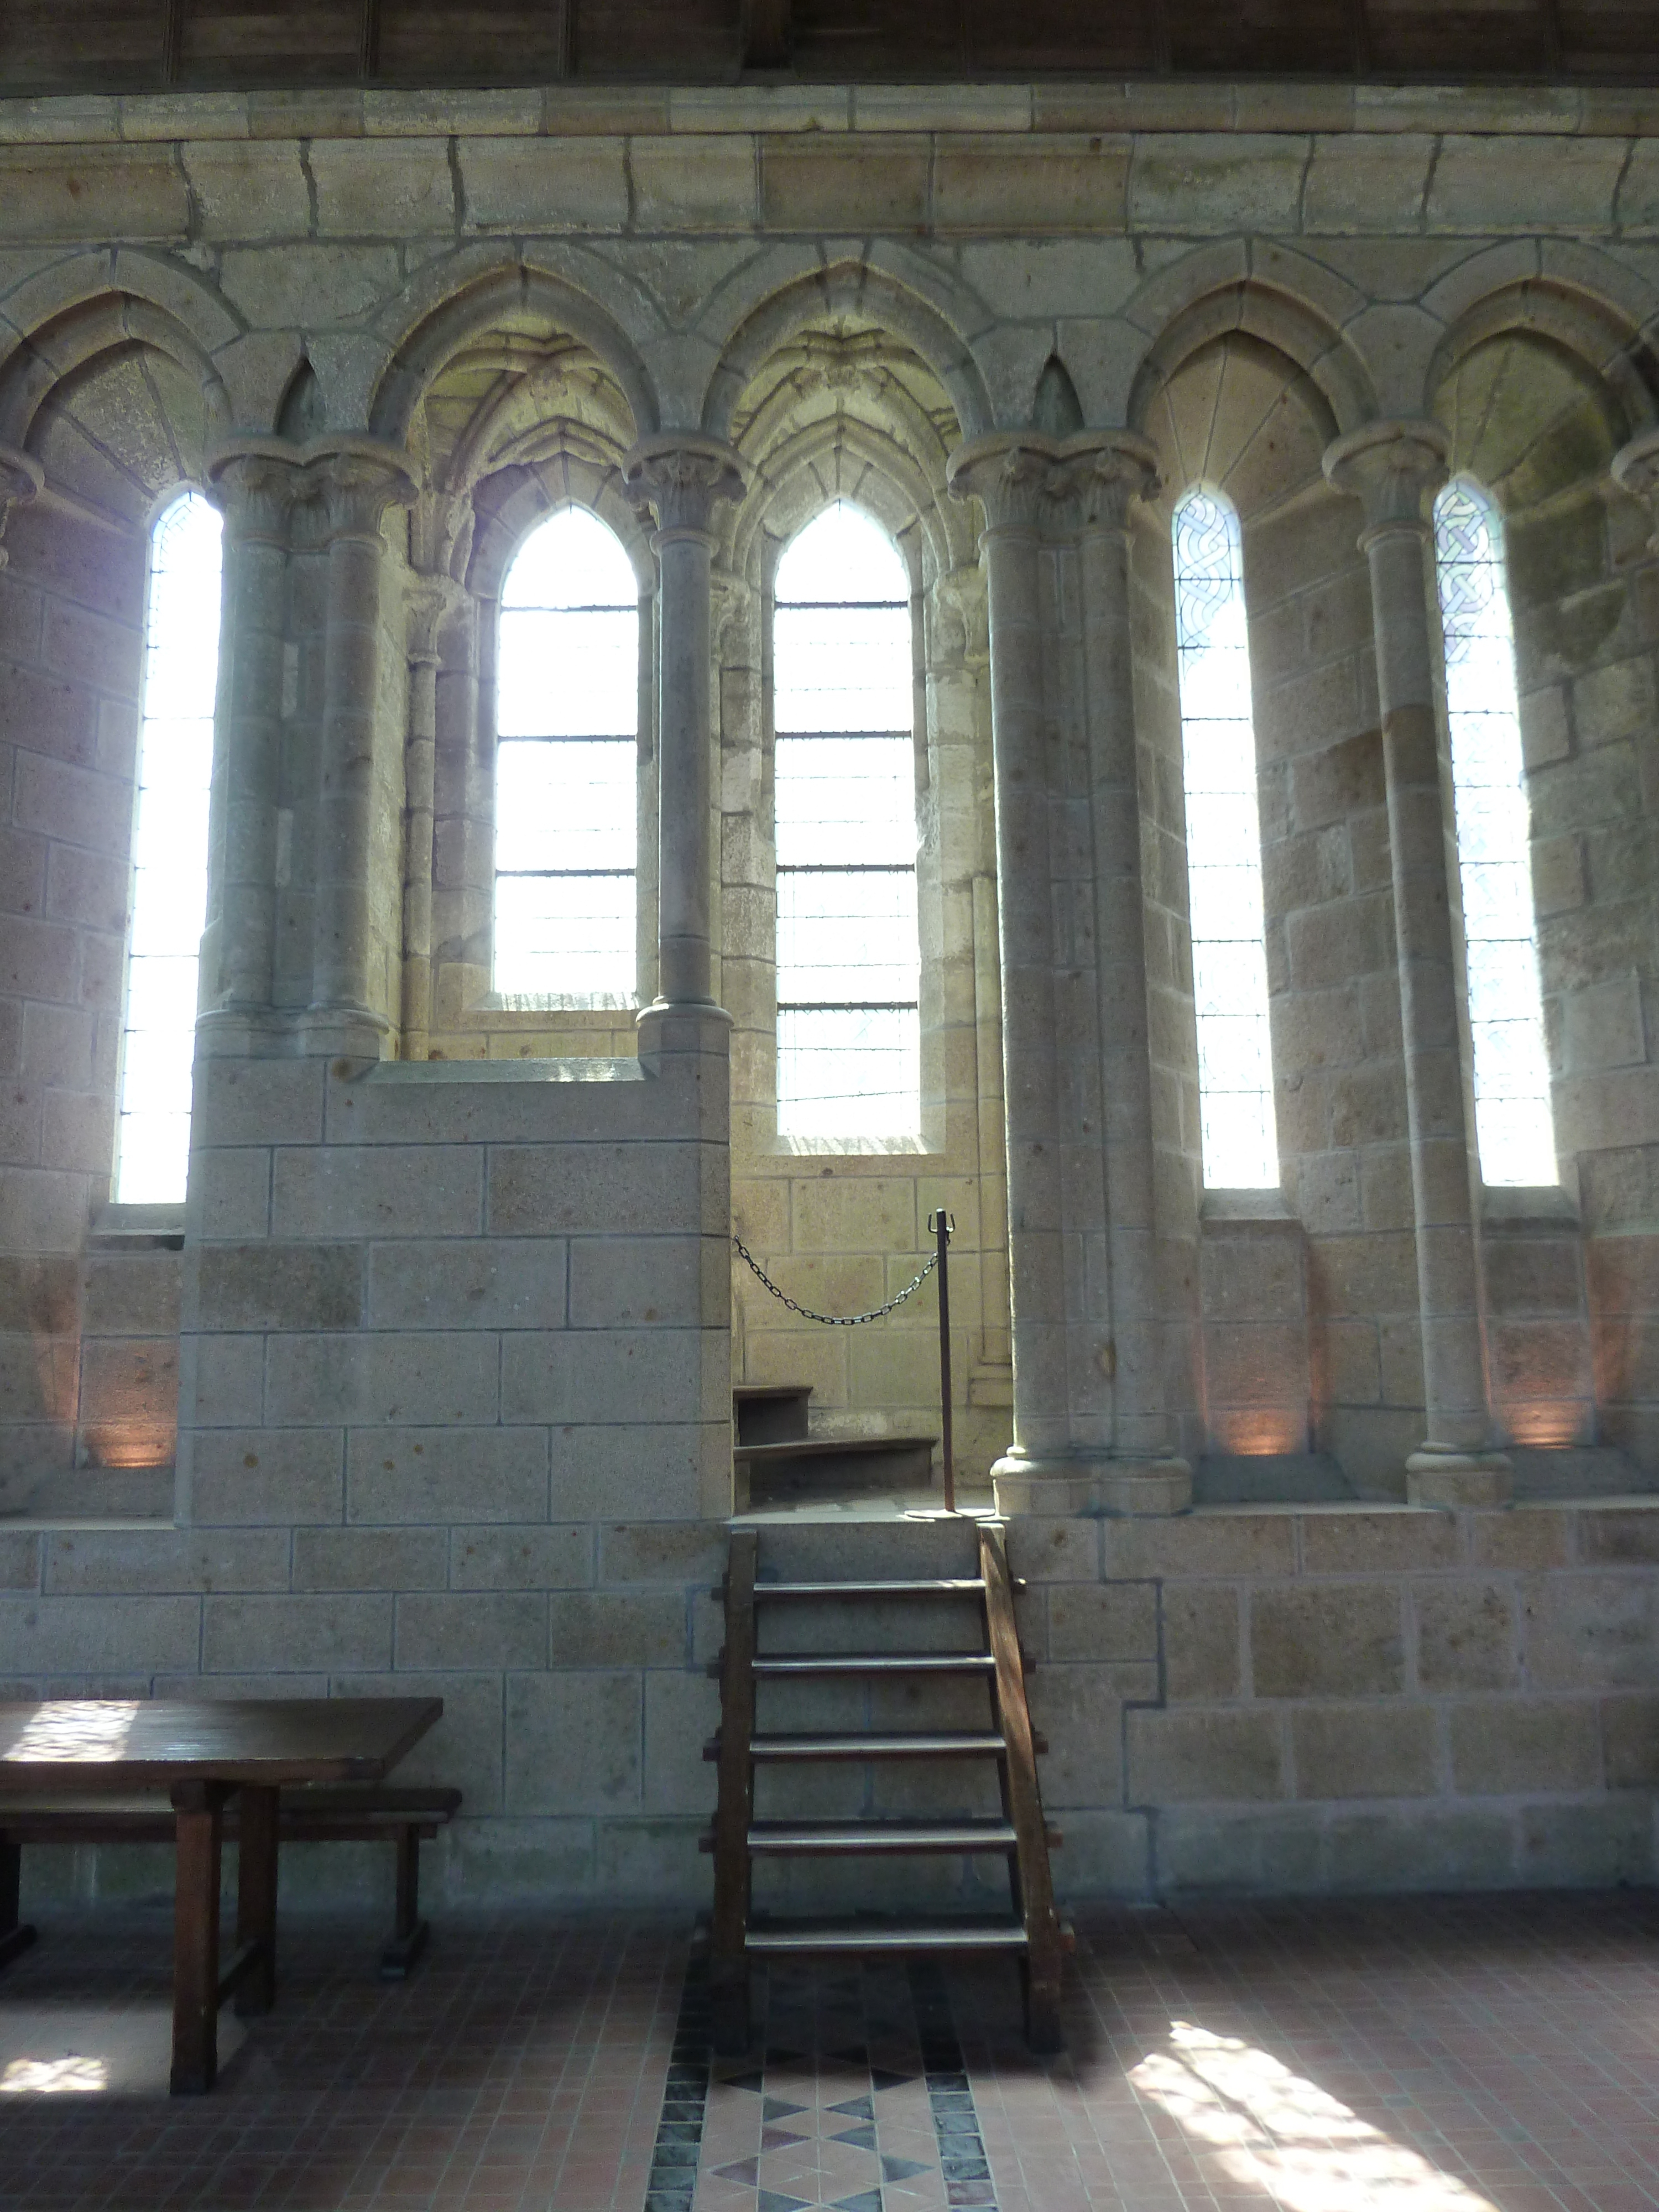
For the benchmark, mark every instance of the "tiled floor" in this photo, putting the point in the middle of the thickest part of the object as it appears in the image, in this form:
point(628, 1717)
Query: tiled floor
point(1472, 2055)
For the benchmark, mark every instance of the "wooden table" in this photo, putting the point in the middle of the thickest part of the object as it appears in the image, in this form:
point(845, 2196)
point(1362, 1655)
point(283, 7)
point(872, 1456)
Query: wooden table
point(202, 1752)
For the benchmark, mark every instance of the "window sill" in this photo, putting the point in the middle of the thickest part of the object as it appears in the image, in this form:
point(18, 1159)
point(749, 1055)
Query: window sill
point(553, 1002)
point(853, 1148)
point(136, 1228)
point(1246, 1205)
point(1510, 1206)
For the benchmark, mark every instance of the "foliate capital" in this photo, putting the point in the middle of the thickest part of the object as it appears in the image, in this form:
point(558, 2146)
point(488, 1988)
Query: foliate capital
point(253, 482)
point(1024, 479)
point(21, 479)
point(354, 481)
point(1389, 467)
point(429, 602)
point(680, 476)
point(1636, 470)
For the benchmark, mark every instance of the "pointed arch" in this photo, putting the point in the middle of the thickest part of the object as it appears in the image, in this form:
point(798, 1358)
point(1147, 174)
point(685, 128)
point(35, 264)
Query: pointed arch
point(421, 353)
point(848, 288)
point(72, 340)
point(1310, 345)
point(1601, 337)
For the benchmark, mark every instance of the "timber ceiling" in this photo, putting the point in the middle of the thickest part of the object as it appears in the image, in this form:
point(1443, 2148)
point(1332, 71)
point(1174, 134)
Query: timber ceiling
point(110, 45)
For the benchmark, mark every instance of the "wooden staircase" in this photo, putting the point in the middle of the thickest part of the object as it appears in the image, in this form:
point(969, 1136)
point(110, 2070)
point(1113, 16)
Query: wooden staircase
point(776, 1460)
point(742, 1843)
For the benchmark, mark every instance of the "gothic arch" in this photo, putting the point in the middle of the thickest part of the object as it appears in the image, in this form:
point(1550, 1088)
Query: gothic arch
point(1600, 338)
point(48, 355)
point(420, 355)
point(848, 288)
point(1310, 345)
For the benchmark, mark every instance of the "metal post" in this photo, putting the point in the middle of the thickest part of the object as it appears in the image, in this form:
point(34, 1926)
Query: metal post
point(941, 1223)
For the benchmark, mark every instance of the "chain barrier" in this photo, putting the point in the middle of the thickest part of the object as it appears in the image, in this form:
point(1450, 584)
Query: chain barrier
point(832, 1320)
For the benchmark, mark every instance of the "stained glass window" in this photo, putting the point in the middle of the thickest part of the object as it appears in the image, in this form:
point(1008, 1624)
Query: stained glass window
point(1224, 849)
point(567, 723)
point(847, 958)
point(1514, 1128)
point(170, 853)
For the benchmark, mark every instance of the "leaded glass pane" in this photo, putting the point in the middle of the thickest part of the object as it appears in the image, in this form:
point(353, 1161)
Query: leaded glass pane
point(567, 714)
point(1224, 849)
point(170, 853)
point(1514, 1130)
point(845, 819)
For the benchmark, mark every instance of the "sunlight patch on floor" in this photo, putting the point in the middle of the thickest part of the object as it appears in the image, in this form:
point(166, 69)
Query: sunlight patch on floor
point(1275, 2131)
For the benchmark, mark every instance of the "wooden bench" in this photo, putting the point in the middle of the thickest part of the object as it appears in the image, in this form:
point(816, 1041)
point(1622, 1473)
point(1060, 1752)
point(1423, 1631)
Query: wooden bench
point(307, 1813)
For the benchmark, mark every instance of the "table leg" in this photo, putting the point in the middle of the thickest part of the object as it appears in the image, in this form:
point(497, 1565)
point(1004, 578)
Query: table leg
point(198, 1808)
point(14, 1934)
point(255, 1897)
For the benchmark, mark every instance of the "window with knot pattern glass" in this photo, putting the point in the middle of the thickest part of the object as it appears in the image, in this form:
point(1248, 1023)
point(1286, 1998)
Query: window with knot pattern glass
point(567, 780)
point(169, 853)
point(845, 813)
point(1515, 1130)
point(1224, 848)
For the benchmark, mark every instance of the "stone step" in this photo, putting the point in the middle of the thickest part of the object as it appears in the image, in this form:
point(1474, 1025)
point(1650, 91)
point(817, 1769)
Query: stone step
point(830, 1467)
point(770, 1412)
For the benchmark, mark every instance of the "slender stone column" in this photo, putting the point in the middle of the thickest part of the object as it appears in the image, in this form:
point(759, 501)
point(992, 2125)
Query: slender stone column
point(1391, 467)
point(681, 476)
point(431, 601)
point(21, 479)
point(1010, 476)
point(1109, 473)
point(1635, 469)
point(356, 483)
point(254, 484)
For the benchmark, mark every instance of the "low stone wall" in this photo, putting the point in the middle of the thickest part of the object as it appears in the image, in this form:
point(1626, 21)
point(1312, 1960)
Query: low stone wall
point(1264, 1700)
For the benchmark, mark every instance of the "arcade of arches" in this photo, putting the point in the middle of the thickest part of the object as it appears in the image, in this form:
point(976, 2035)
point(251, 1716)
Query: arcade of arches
point(1337, 1492)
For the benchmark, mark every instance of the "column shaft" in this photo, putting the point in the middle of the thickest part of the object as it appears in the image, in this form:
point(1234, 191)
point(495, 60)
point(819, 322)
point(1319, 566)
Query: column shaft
point(1140, 1425)
point(254, 490)
point(1391, 466)
point(357, 488)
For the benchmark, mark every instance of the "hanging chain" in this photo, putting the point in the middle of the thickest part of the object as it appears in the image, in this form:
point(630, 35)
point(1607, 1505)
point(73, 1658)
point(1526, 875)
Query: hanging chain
point(832, 1320)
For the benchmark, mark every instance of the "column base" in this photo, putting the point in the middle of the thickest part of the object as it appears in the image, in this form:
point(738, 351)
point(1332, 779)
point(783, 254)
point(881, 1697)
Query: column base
point(1126, 1488)
point(1449, 1479)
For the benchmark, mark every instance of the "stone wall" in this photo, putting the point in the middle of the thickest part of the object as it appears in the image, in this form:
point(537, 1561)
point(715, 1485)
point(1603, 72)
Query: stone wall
point(454, 1339)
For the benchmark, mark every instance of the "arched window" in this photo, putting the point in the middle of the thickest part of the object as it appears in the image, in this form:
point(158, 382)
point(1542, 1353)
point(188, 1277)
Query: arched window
point(566, 720)
point(844, 781)
point(1224, 849)
point(170, 853)
point(1514, 1130)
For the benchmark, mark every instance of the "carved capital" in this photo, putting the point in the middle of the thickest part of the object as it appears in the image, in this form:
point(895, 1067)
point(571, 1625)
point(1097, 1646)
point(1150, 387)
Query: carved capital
point(429, 603)
point(1008, 473)
point(1636, 470)
point(680, 477)
point(355, 482)
point(21, 479)
point(1389, 467)
point(1024, 480)
point(254, 482)
point(963, 617)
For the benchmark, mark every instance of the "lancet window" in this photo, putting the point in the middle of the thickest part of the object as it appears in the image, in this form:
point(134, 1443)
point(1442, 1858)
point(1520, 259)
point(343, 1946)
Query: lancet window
point(845, 815)
point(170, 852)
point(566, 722)
point(1224, 848)
point(1514, 1127)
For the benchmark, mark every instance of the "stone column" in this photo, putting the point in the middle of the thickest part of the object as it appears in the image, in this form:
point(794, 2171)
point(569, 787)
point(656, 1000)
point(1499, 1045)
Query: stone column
point(21, 479)
point(1107, 472)
point(254, 484)
point(1010, 476)
point(681, 477)
point(1391, 467)
point(431, 601)
point(355, 483)
point(1635, 469)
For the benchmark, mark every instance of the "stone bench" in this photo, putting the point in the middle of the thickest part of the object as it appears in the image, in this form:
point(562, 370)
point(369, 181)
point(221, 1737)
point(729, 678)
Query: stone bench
point(406, 1818)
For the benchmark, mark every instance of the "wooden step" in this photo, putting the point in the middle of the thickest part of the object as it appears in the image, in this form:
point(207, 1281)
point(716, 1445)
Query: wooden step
point(855, 1838)
point(918, 1743)
point(937, 1586)
point(792, 1665)
point(803, 1937)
